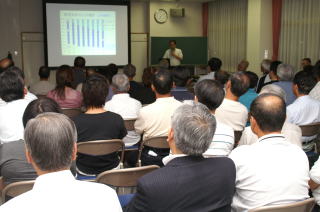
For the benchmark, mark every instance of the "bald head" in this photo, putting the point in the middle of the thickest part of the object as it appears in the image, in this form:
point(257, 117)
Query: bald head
point(243, 65)
point(269, 111)
point(5, 63)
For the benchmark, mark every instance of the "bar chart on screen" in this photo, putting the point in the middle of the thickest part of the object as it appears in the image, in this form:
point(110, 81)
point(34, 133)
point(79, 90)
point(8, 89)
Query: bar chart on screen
point(88, 32)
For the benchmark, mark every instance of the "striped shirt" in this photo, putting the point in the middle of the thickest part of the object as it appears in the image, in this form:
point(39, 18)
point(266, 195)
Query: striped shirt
point(222, 142)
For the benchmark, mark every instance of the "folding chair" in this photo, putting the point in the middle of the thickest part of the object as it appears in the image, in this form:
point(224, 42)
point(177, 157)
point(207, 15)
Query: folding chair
point(301, 206)
point(15, 189)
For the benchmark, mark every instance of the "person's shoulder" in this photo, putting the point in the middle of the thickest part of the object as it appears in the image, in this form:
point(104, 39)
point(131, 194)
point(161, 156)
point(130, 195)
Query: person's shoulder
point(241, 152)
point(23, 202)
point(221, 127)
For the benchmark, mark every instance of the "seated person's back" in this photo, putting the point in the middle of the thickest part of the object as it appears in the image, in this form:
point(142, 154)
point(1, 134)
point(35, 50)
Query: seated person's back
point(51, 148)
point(285, 73)
point(43, 86)
point(63, 94)
point(97, 124)
point(231, 112)
point(272, 171)
point(11, 111)
point(188, 182)
point(181, 79)
point(247, 98)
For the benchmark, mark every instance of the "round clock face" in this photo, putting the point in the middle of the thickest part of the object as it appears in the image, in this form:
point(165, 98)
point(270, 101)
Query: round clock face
point(161, 16)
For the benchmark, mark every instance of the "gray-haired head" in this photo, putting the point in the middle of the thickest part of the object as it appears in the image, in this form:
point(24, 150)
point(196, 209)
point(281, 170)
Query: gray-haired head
point(274, 89)
point(285, 72)
point(120, 83)
point(193, 127)
point(265, 64)
point(50, 139)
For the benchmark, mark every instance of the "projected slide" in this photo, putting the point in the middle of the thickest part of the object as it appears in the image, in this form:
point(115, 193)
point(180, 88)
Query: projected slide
point(88, 32)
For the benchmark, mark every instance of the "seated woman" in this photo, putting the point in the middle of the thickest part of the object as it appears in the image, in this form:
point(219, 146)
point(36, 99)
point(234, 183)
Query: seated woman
point(63, 94)
point(13, 163)
point(97, 124)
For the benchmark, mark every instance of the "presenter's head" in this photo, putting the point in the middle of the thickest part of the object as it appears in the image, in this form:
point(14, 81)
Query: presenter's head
point(172, 44)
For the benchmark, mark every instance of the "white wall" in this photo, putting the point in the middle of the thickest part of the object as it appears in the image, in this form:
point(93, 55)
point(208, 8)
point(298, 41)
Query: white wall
point(190, 25)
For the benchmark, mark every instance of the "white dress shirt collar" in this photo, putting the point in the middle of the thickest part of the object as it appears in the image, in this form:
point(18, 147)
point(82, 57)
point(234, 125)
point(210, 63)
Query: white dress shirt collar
point(165, 99)
point(273, 137)
point(170, 157)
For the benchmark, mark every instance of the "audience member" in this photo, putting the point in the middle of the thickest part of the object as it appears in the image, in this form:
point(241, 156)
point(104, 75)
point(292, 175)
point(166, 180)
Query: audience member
point(272, 171)
point(247, 98)
point(285, 73)
point(265, 68)
point(63, 94)
point(11, 111)
point(273, 72)
point(154, 119)
point(291, 132)
point(222, 77)
point(243, 65)
point(308, 68)
point(51, 148)
point(188, 182)
point(214, 65)
point(314, 183)
point(79, 70)
point(181, 79)
point(305, 62)
point(304, 110)
point(315, 92)
point(43, 86)
point(97, 124)
point(89, 72)
point(211, 94)
point(231, 112)
point(109, 72)
point(138, 91)
point(122, 104)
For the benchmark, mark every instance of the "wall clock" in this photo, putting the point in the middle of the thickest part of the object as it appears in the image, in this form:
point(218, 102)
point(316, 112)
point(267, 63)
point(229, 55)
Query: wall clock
point(161, 16)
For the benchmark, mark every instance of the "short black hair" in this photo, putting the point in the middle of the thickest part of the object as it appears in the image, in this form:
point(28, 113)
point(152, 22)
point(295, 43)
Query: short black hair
point(181, 76)
point(79, 62)
point(44, 72)
point(210, 93)
point(162, 81)
point(253, 77)
point(305, 82)
point(307, 59)
point(12, 86)
point(274, 66)
point(239, 83)
point(269, 111)
point(95, 91)
point(16, 70)
point(222, 76)
point(129, 70)
point(316, 71)
point(110, 71)
point(215, 64)
point(38, 106)
point(173, 41)
point(308, 68)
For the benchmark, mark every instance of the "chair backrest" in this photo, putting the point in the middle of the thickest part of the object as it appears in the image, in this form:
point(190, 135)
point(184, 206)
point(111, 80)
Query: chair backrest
point(129, 124)
point(15, 189)
point(71, 112)
point(310, 129)
point(301, 206)
point(101, 147)
point(124, 177)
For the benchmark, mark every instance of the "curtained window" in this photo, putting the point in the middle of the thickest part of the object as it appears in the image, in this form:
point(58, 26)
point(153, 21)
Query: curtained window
point(227, 31)
point(300, 31)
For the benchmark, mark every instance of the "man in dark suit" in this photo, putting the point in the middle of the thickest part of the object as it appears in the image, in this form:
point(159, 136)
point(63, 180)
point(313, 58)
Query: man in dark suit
point(188, 182)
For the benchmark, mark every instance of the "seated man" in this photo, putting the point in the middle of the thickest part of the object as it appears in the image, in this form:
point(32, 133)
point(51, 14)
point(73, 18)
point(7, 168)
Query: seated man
point(304, 110)
point(188, 182)
point(211, 94)
point(154, 119)
point(315, 92)
point(292, 132)
point(314, 183)
point(265, 68)
point(181, 79)
point(222, 77)
point(122, 104)
point(214, 65)
point(43, 86)
point(243, 65)
point(272, 171)
point(285, 73)
point(79, 70)
point(50, 148)
point(247, 98)
point(11, 111)
point(231, 112)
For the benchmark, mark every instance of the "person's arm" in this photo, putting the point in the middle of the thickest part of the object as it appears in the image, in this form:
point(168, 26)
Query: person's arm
point(314, 181)
point(166, 54)
point(177, 55)
point(139, 123)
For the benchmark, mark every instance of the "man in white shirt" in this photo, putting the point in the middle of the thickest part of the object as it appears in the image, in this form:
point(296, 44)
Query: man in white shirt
point(43, 86)
point(315, 92)
point(272, 171)
point(12, 108)
point(50, 148)
point(173, 54)
point(291, 132)
point(231, 112)
point(122, 104)
point(214, 65)
point(304, 110)
point(314, 182)
point(155, 119)
point(211, 94)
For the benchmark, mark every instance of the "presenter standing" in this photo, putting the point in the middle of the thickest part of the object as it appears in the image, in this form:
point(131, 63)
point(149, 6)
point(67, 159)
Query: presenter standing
point(173, 54)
